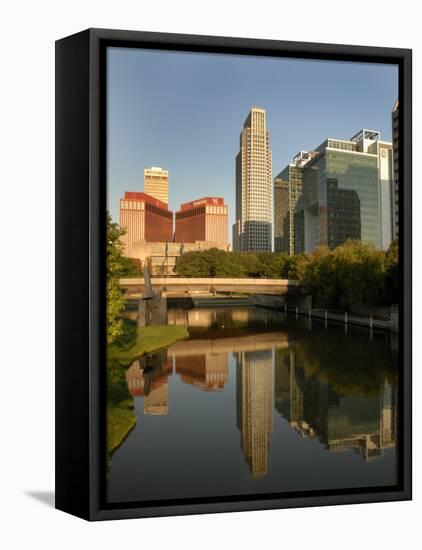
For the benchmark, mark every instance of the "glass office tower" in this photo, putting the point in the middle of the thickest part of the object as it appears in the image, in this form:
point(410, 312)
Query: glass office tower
point(289, 206)
point(345, 194)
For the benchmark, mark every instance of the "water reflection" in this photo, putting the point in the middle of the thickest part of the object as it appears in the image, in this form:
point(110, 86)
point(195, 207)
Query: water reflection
point(209, 371)
point(148, 377)
point(303, 398)
point(254, 400)
point(365, 423)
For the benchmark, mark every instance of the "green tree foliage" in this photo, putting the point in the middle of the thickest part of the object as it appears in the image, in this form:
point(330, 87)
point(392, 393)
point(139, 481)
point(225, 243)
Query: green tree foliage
point(392, 275)
point(295, 266)
point(131, 267)
point(353, 273)
point(219, 263)
point(116, 266)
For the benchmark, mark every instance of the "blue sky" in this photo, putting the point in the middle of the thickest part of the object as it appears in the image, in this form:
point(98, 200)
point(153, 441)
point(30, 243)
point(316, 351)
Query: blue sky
point(185, 111)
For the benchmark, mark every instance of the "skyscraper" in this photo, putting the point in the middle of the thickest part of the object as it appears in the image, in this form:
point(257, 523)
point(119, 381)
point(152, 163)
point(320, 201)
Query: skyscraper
point(156, 183)
point(281, 208)
point(289, 207)
point(395, 205)
point(342, 190)
point(252, 228)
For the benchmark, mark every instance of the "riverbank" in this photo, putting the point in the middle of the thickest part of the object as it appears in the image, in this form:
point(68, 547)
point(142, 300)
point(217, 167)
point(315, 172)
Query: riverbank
point(134, 342)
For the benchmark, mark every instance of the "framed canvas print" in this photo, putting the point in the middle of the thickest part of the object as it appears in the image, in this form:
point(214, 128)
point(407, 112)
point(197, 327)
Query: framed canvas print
point(233, 274)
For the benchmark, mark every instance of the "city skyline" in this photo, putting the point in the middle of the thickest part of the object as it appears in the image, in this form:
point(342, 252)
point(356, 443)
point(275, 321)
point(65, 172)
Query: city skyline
point(191, 128)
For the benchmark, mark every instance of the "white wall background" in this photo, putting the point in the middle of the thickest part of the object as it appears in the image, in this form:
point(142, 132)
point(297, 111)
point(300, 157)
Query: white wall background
point(27, 37)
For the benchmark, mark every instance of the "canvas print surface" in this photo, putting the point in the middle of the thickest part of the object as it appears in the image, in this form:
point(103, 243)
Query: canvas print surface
point(252, 275)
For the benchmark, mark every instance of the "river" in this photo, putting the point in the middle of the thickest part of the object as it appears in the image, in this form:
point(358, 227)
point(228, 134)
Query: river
point(259, 402)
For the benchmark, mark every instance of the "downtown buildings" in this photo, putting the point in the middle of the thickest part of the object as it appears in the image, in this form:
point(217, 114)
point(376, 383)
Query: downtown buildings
point(342, 190)
point(153, 234)
point(252, 230)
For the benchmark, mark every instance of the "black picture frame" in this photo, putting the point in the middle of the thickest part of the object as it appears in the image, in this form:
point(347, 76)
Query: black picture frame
point(80, 271)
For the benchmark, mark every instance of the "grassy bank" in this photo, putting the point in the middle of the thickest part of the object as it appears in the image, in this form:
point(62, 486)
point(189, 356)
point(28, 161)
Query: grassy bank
point(134, 342)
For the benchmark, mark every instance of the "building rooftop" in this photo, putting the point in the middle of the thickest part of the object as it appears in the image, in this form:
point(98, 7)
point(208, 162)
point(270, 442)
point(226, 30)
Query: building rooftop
point(213, 201)
point(139, 196)
point(366, 134)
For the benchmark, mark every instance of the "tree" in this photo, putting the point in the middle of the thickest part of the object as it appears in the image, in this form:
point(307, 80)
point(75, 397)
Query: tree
point(115, 266)
point(353, 273)
point(392, 274)
point(219, 263)
point(295, 266)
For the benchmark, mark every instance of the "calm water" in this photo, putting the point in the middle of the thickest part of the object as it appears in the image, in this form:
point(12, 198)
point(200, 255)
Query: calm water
point(254, 402)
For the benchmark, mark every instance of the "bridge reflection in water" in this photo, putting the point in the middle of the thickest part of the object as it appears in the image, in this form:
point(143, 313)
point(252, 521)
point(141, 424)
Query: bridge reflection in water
point(335, 391)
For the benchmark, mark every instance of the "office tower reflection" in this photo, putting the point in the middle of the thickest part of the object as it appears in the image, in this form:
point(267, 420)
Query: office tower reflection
point(254, 388)
point(346, 420)
point(208, 371)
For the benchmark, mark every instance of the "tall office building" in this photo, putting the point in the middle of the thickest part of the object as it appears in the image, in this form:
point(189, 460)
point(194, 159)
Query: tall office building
point(384, 152)
point(395, 205)
point(342, 190)
point(289, 206)
point(144, 219)
point(281, 209)
point(252, 228)
point(156, 183)
point(203, 220)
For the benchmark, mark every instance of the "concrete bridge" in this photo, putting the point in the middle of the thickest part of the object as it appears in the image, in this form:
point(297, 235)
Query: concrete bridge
point(183, 286)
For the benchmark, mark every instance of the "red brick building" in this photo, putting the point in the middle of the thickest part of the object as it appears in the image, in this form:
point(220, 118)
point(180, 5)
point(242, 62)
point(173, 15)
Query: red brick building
point(145, 219)
point(202, 220)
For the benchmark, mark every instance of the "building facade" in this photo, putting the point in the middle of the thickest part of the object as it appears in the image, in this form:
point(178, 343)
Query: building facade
point(202, 220)
point(281, 208)
point(156, 183)
point(395, 206)
point(252, 228)
point(341, 191)
point(144, 219)
point(289, 225)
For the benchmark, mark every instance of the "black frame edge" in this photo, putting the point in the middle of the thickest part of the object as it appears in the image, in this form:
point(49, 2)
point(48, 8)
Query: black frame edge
point(405, 247)
point(72, 382)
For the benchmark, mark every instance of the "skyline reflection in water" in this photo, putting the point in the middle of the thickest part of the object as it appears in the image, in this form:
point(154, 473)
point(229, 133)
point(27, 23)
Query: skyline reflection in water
point(256, 402)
